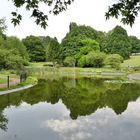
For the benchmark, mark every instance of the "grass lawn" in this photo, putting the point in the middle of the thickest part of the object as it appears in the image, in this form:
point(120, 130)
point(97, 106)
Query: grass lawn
point(133, 61)
point(38, 64)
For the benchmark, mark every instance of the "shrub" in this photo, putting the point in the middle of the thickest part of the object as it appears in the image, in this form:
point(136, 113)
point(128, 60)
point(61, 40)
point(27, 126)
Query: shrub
point(114, 60)
point(8, 60)
point(48, 65)
point(82, 61)
point(69, 61)
point(95, 59)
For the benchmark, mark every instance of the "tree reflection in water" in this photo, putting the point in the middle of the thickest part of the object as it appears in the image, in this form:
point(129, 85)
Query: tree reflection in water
point(81, 96)
point(3, 122)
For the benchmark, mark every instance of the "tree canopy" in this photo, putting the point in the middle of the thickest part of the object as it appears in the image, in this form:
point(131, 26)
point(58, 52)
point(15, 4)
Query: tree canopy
point(52, 51)
point(118, 42)
point(35, 48)
point(127, 9)
point(54, 6)
point(82, 46)
point(13, 54)
point(135, 42)
point(72, 42)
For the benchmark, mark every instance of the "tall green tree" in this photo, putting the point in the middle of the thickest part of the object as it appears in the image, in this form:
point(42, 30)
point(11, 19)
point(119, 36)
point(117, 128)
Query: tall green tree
point(118, 42)
point(35, 48)
point(13, 54)
point(16, 46)
point(9, 60)
point(45, 40)
point(135, 42)
point(71, 43)
point(90, 55)
point(53, 50)
point(88, 45)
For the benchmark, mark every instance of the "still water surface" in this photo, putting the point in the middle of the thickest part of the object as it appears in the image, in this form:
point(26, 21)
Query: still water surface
point(72, 109)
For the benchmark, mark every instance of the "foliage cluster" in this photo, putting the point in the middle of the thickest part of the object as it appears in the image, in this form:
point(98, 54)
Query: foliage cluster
point(88, 47)
point(114, 60)
point(82, 46)
point(13, 54)
point(42, 49)
point(117, 41)
point(72, 42)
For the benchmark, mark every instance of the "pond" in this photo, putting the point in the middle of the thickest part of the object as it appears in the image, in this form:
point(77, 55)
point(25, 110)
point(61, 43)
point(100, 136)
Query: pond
point(72, 109)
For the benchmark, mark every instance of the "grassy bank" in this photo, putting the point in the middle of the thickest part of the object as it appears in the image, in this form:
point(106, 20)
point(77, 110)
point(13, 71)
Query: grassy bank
point(133, 61)
point(42, 69)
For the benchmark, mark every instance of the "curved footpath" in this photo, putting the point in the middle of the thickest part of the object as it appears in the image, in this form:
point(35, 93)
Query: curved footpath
point(15, 90)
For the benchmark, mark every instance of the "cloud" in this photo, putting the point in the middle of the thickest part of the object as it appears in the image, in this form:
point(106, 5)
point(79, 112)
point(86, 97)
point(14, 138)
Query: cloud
point(104, 124)
point(61, 126)
point(67, 129)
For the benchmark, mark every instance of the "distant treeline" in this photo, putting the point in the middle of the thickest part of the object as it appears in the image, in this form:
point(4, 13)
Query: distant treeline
point(82, 46)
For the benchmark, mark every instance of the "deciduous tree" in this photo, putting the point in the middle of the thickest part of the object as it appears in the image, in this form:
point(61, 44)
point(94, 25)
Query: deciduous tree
point(35, 48)
point(118, 42)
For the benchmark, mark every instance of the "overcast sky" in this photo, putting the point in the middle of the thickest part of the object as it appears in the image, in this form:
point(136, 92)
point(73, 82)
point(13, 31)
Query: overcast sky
point(88, 12)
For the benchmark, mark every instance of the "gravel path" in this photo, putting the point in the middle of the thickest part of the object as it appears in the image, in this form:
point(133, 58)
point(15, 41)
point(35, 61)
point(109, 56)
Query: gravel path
point(134, 77)
point(13, 82)
point(104, 73)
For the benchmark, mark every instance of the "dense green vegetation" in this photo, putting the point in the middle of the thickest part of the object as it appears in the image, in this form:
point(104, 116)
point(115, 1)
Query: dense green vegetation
point(13, 54)
point(82, 46)
point(72, 42)
point(135, 42)
point(114, 60)
point(35, 48)
point(42, 49)
point(117, 41)
point(53, 51)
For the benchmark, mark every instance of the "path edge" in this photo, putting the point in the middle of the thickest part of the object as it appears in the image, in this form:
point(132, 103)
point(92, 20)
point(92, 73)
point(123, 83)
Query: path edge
point(15, 90)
